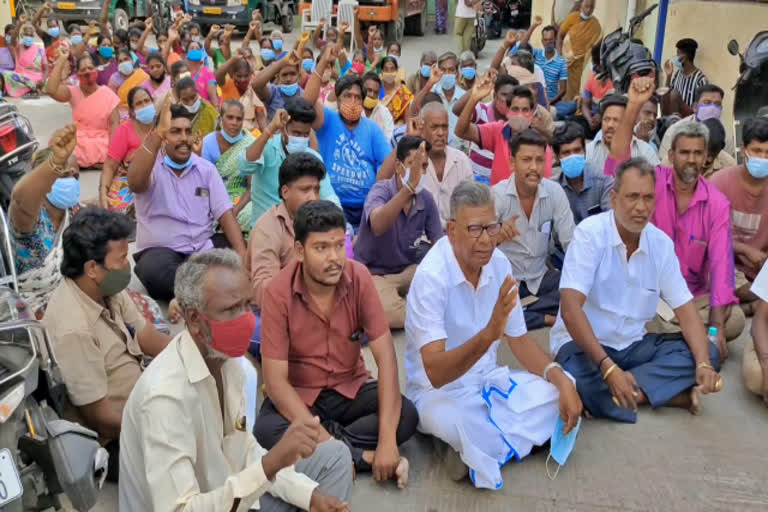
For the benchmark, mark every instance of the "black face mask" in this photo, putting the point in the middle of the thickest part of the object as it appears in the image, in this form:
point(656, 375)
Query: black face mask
point(160, 80)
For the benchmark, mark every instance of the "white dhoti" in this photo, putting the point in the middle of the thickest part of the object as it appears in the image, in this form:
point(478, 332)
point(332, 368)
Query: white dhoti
point(498, 416)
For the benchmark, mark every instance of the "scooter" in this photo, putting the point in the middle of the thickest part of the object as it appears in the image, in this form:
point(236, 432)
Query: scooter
point(41, 455)
point(751, 89)
point(17, 146)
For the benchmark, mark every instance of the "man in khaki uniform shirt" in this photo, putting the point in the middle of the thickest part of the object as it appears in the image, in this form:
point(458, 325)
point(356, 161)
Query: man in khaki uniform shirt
point(185, 443)
point(100, 338)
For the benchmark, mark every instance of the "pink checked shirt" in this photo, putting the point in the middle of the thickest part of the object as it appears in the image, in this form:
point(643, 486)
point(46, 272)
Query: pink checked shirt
point(702, 234)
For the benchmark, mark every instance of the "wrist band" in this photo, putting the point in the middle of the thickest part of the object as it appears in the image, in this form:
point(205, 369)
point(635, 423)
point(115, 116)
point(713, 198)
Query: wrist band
point(610, 371)
point(705, 365)
point(547, 368)
point(58, 170)
point(409, 188)
point(600, 364)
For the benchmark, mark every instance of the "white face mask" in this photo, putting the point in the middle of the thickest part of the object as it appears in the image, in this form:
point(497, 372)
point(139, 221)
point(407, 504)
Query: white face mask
point(193, 108)
point(407, 177)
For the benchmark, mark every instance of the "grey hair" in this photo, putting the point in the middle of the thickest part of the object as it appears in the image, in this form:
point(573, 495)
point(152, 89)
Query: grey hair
point(639, 164)
point(188, 285)
point(429, 54)
point(470, 193)
point(467, 55)
point(692, 129)
point(433, 106)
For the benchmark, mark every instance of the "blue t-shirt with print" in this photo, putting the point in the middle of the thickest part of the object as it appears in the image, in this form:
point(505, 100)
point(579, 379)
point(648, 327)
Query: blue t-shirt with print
point(352, 157)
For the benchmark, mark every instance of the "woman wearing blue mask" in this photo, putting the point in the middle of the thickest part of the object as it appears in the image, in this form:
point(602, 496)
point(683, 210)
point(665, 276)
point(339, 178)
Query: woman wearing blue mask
point(204, 79)
point(40, 206)
point(204, 114)
point(125, 79)
point(114, 193)
point(277, 44)
point(104, 58)
point(31, 66)
point(51, 33)
point(223, 149)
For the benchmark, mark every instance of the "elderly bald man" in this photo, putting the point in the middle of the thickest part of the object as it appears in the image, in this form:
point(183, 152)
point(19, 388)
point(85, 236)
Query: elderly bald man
point(447, 167)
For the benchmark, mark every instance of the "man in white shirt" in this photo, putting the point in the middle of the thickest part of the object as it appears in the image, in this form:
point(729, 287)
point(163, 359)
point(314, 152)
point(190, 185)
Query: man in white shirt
point(462, 302)
point(184, 436)
point(612, 109)
point(616, 269)
point(533, 210)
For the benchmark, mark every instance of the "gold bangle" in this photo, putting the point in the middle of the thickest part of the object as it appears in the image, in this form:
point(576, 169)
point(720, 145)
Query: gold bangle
point(58, 170)
point(609, 371)
point(705, 365)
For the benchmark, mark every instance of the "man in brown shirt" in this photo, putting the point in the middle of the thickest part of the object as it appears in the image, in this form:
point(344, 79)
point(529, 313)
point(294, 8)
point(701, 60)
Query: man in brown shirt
point(316, 315)
point(100, 337)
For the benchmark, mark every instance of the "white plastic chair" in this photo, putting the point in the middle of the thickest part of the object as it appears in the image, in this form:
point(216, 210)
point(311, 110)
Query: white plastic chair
point(310, 18)
point(346, 13)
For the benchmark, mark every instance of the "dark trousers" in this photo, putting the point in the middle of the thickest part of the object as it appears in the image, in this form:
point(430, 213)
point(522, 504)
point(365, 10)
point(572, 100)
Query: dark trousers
point(355, 422)
point(113, 465)
point(662, 365)
point(548, 303)
point(156, 267)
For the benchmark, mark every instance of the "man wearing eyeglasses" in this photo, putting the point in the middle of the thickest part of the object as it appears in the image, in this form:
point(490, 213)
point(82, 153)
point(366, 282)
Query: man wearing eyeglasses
point(463, 300)
point(533, 212)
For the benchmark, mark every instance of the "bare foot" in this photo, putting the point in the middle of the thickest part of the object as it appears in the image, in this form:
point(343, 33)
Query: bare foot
point(695, 407)
point(402, 473)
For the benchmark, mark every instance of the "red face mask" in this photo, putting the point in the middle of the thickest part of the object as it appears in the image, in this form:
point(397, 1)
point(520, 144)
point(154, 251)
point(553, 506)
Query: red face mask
point(88, 77)
point(232, 337)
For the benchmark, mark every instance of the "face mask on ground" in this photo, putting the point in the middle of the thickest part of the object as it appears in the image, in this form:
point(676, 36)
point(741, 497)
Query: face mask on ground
point(573, 165)
point(308, 65)
point(195, 55)
point(448, 82)
point(175, 165)
point(757, 167)
point(193, 108)
point(426, 70)
point(561, 446)
point(267, 54)
point(232, 337)
point(407, 177)
point(76, 39)
point(296, 144)
point(230, 139)
point(146, 114)
point(370, 103)
point(54, 31)
point(27, 41)
point(704, 112)
point(117, 280)
point(468, 73)
point(65, 193)
point(106, 51)
point(351, 111)
point(277, 44)
point(290, 89)
point(125, 67)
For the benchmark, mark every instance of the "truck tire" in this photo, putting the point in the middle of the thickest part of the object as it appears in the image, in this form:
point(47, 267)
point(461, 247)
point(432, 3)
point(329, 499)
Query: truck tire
point(287, 23)
point(417, 25)
point(120, 20)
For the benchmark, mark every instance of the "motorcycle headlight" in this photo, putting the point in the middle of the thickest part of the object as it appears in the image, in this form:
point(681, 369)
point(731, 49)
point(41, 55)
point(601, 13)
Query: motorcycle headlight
point(10, 401)
point(194, 2)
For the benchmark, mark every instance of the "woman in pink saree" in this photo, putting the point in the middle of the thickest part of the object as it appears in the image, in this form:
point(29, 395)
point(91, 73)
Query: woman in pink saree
point(31, 65)
point(94, 109)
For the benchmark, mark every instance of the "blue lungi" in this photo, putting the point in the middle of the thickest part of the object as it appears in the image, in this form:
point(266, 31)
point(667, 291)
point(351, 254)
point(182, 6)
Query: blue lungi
point(662, 366)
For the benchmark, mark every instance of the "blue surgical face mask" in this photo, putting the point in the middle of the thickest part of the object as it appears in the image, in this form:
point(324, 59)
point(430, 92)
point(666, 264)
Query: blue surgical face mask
point(704, 112)
point(195, 55)
point(573, 165)
point(426, 70)
point(106, 51)
point(277, 44)
point(296, 144)
point(146, 115)
point(65, 193)
point(561, 446)
point(8, 39)
point(448, 82)
point(584, 16)
point(125, 67)
point(174, 165)
point(468, 73)
point(54, 31)
point(27, 41)
point(757, 167)
point(290, 89)
point(230, 139)
point(308, 64)
point(267, 54)
point(76, 39)
point(677, 61)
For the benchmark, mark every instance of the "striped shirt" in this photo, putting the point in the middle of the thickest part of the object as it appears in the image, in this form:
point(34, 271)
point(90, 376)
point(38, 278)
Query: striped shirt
point(686, 86)
point(482, 160)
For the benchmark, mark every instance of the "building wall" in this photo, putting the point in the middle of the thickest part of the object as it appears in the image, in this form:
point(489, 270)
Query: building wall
point(711, 23)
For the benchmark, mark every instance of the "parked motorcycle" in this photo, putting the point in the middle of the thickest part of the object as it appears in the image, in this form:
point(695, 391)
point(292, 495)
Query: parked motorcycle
point(17, 146)
point(41, 455)
point(751, 89)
